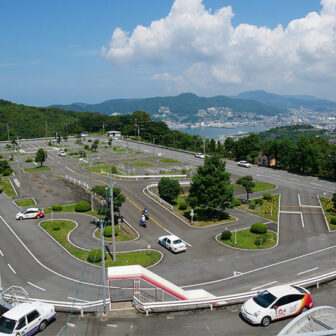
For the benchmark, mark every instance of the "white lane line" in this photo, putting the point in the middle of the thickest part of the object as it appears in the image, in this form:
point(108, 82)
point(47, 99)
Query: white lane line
point(74, 299)
point(31, 284)
point(12, 269)
point(310, 270)
point(1, 253)
point(295, 212)
point(69, 169)
point(17, 182)
point(266, 285)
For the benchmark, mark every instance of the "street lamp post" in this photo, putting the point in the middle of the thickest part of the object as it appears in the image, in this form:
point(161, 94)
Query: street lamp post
point(91, 186)
point(20, 175)
point(112, 218)
point(103, 263)
point(154, 146)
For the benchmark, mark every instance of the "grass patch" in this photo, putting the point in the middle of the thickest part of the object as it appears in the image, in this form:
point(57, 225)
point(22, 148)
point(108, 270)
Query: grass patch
point(153, 157)
point(36, 169)
point(71, 208)
point(142, 164)
point(106, 168)
point(132, 159)
point(121, 237)
point(7, 188)
point(25, 202)
point(259, 186)
point(59, 230)
point(170, 161)
point(268, 210)
point(328, 211)
point(246, 240)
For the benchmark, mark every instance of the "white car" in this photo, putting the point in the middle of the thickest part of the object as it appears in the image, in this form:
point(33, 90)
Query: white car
point(26, 318)
point(244, 164)
point(199, 155)
point(62, 153)
point(173, 243)
point(276, 303)
point(30, 213)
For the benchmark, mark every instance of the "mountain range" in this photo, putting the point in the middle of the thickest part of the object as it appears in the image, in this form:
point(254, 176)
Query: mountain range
point(186, 105)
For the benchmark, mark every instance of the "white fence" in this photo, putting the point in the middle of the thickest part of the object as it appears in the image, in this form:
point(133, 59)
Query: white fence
point(72, 179)
point(148, 307)
point(138, 177)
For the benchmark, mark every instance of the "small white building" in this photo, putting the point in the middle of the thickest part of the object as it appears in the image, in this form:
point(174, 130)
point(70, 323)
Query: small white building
point(114, 134)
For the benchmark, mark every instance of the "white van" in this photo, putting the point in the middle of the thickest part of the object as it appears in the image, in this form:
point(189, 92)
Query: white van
point(26, 319)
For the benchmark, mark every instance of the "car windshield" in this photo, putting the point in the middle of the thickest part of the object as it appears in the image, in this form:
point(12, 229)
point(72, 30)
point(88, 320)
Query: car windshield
point(264, 299)
point(177, 241)
point(7, 325)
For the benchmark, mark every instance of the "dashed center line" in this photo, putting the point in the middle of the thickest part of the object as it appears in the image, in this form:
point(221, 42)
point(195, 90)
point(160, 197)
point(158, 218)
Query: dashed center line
point(1, 253)
point(11, 268)
point(31, 284)
point(266, 285)
point(310, 270)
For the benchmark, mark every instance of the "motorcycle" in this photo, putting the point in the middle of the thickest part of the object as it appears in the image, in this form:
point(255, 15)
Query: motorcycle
point(145, 213)
point(143, 223)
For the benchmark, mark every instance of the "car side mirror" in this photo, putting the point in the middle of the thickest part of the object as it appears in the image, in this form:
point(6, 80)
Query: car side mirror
point(275, 307)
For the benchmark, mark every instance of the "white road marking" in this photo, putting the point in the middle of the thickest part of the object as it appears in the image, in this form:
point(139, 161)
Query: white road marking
point(31, 284)
point(69, 169)
point(295, 212)
point(112, 325)
point(12, 269)
point(310, 270)
point(235, 273)
point(266, 285)
point(17, 182)
point(307, 206)
point(1, 253)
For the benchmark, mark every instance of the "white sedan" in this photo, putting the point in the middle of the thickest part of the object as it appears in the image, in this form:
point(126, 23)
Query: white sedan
point(62, 153)
point(244, 164)
point(199, 155)
point(173, 243)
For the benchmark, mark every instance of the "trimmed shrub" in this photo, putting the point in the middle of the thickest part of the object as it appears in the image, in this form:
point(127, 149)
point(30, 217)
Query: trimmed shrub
point(7, 172)
point(252, 205)
point(95, 256)
point(223, 215)
point(56, 227)
point(56, 207)
point(258, 228)
point(268, 196)
point(82, 206)
point(183, 205)
point(108, 231)
point(333, 220)
point(236, 202)
point(29, 160)
point(259, 201)
point(226, 235)
point(260, 241)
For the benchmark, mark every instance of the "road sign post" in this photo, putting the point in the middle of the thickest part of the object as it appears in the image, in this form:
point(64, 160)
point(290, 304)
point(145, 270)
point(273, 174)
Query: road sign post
point(191, 215)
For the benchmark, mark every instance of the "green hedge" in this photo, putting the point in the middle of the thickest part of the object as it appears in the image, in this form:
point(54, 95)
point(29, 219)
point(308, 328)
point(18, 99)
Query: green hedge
point(333, 220)
point(95, 256)
point(258, 228)
point(226, 235)
point(183, 205)
point(268, 196)
point(108, 231)
point(236, 202)
point(82, 206)
point(56, 207)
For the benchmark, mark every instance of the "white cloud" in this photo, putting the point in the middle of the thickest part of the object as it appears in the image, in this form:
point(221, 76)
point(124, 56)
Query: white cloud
point(207, 51)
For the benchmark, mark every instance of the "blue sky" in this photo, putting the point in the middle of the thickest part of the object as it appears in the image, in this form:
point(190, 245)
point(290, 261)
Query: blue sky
point(63, 51)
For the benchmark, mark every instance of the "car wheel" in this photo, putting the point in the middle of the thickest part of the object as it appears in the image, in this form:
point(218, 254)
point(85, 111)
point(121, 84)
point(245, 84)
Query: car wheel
point(159, 243)
point(266, 320)
point(38, 217)
point(43, 325)
point(304, 309)
point(20, 218)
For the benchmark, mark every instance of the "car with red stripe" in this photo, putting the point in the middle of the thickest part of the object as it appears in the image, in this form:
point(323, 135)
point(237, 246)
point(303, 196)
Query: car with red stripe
point(276, 303)
point(30, 213)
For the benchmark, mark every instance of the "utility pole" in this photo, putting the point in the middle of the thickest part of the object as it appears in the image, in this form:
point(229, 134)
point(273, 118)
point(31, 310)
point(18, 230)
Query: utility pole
point(46, 132)
point(103, 127)
point(112, 218)
point(139, 136)
point(91, 186)
point(8, 131)
point(154, 146)
point(203, 139)
point(20, 179)
point(103, 263)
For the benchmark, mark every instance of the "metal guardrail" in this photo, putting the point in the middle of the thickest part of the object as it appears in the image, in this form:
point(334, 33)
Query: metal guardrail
point(148, 307)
